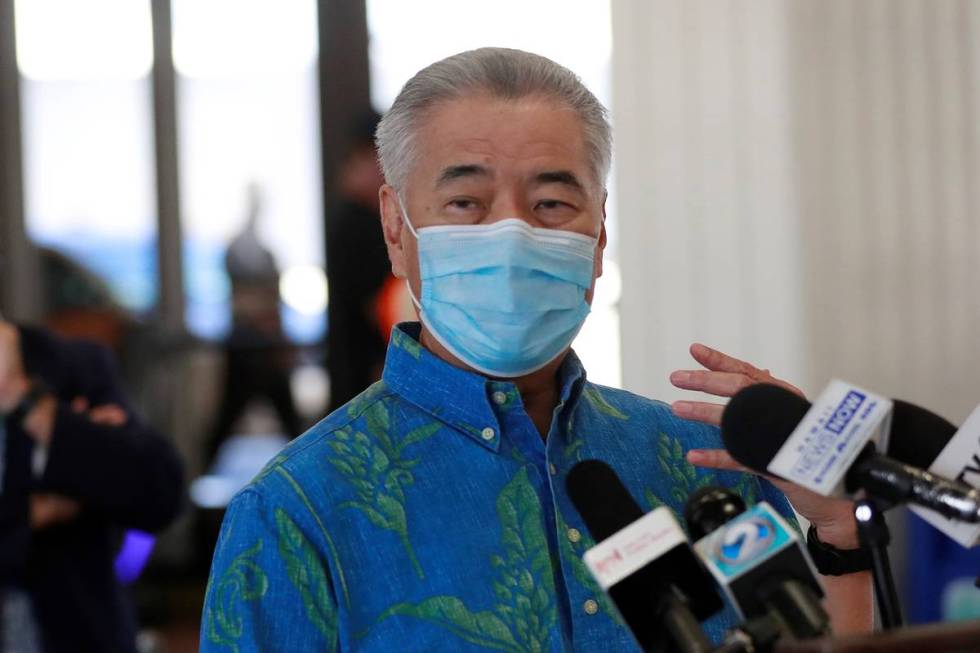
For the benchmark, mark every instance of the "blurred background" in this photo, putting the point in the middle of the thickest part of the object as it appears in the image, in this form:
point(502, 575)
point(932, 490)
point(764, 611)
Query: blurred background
point(190, 182)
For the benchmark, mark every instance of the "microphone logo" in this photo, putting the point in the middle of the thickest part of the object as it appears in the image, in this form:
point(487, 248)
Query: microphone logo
point(745, 540)
point(845, 411)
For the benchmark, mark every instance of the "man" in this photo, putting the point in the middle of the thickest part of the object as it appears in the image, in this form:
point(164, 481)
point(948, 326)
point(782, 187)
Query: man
point(430, 513)
point(78, 467)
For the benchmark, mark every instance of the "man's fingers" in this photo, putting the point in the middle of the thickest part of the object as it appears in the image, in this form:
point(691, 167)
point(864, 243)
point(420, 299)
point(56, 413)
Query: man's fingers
point(698, 411)
point(718, 362)
point(714, 458)
point(722, 384)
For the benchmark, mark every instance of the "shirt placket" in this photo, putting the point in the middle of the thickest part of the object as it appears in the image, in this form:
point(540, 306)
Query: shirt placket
point(523, 435)
point(583, 602)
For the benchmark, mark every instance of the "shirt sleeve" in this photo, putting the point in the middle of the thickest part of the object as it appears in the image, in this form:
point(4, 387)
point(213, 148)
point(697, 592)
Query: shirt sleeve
point(269, 588)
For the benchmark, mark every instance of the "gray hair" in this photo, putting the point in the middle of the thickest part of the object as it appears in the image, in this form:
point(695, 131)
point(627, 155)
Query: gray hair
point(502, 73)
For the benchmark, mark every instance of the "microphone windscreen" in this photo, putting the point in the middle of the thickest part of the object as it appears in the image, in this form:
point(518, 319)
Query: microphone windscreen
point(710, 507)
point(605, 505)
point(917, 435)
point(758, 420)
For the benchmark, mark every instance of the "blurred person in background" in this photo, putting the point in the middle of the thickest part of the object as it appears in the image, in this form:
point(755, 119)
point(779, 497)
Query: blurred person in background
point(78, 467)
point(257, 356)
point(363, 292)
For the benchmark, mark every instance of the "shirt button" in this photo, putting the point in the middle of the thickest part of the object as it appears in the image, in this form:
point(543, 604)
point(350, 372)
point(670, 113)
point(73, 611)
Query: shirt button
point(590, 607)
point(573, 535)
point(499, 398)
point(552, 469)
point(487, 434)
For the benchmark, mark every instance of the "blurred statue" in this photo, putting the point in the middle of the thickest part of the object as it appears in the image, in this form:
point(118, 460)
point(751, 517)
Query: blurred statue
point(258, 358)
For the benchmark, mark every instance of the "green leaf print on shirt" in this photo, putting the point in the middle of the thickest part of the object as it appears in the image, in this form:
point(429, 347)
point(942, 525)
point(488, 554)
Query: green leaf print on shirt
point(594, 397)
point(407, 343)
point(525, 612)
point(573, 553)
point(574, 440)
point(270, 466)
point(376, 468)
point(370, 396)
point(323, 529)
point(685, 478)
point(243, 580)
point(481, 628)
point(305, 570)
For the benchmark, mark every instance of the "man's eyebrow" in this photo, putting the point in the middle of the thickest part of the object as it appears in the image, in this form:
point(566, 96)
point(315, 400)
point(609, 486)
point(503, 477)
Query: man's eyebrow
point(565, 177)
point(453, 173)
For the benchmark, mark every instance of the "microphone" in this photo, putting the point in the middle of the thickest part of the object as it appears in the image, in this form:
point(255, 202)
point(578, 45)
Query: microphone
point(958, 458)
point(760, 563)
point(772, 430)
point(644, 563)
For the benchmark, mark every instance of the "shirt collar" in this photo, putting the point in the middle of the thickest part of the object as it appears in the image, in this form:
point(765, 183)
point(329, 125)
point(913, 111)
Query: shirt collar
point(456, 396)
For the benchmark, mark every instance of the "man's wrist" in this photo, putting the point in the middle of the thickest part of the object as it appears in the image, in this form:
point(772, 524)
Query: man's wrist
point(840, 535)
point(832, 561)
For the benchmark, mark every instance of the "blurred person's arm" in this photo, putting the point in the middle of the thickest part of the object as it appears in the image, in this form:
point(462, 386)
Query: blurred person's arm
point(50, 509)
point(269, 587)
point(105, 457)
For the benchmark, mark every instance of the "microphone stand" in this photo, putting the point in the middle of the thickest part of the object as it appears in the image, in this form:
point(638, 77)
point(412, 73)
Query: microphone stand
point(874, 535)
point(683, 628)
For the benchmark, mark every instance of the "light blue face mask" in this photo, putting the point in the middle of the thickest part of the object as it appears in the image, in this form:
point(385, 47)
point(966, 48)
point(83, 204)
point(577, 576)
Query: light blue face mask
point(505, 298)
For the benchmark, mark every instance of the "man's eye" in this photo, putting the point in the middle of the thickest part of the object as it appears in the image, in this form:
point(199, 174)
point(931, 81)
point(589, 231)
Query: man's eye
point(552, 204)
point(462, 204)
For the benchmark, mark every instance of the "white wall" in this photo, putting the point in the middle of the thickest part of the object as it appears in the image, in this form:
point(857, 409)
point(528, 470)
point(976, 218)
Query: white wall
point(709, 242)
point(798, 185)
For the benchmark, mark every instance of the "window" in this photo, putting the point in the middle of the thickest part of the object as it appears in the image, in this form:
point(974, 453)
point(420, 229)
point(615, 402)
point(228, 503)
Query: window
point(248, 124)
point(88, 143)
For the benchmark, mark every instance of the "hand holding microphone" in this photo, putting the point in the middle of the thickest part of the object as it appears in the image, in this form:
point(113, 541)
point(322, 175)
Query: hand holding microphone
point(830, 448)
point(724, 376)
point(771, 430)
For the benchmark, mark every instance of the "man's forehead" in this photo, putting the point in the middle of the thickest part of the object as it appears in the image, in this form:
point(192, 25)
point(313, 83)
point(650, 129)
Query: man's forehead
point(504, 145)
point(534, 176)
point(509, 127)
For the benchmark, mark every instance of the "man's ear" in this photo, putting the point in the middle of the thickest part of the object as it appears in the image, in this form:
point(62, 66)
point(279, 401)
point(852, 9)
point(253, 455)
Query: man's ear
point(601, 246)
point(392, 225)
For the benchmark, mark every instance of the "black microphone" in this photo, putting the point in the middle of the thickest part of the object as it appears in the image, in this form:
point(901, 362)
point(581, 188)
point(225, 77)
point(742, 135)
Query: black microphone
point(759, 419)
point(759, 561)
point(644, 562)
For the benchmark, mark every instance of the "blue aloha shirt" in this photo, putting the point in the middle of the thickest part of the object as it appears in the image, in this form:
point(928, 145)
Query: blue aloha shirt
point(429, 515)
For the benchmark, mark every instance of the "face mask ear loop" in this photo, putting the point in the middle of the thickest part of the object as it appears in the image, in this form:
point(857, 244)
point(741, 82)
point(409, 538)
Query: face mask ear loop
point(412, 295)
point(411, 229)
point(408, 223)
